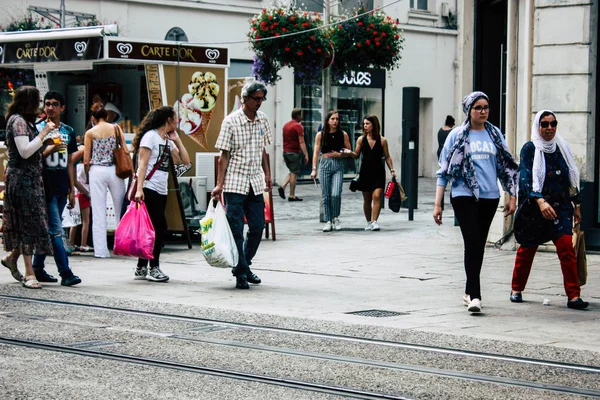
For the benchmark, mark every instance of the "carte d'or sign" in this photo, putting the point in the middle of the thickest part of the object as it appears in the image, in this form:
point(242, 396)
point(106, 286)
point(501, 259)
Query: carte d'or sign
point(130, 50)
point(37, 51)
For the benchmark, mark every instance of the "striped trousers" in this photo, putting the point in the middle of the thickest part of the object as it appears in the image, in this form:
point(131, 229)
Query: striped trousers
point(331, 176)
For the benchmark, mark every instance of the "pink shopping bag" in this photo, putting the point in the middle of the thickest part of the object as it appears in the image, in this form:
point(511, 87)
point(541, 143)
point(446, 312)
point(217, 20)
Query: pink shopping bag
point(135, 234)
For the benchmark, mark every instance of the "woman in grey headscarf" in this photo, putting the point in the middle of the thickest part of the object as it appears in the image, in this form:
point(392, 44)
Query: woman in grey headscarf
point(474, 157)
point(548, 206)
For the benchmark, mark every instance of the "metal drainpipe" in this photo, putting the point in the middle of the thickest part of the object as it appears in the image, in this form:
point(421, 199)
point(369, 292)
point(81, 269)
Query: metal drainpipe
point(527, 69)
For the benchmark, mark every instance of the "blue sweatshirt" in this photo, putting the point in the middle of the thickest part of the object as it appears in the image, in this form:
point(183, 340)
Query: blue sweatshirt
point(483, 153)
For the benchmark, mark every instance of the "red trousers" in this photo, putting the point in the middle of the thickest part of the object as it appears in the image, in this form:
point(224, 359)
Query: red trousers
point(568, 265)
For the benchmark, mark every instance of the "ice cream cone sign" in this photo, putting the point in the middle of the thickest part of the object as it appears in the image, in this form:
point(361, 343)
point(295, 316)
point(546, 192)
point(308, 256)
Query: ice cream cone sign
point(195, 108)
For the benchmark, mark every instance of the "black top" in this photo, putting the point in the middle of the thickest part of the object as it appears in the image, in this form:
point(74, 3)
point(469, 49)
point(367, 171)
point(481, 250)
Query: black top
point(442, 135)
point(334, 141)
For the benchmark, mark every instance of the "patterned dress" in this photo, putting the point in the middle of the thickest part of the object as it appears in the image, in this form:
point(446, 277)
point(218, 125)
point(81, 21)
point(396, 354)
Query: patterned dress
point(531, 228)
point(25, 222)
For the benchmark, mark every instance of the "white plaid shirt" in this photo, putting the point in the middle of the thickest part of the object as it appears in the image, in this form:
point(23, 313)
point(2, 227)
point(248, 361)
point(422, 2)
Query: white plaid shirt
point(245, 140)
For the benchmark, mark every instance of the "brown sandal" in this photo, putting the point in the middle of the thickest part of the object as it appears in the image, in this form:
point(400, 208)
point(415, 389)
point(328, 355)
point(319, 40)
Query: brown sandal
point(12, 266)
point(30, 282)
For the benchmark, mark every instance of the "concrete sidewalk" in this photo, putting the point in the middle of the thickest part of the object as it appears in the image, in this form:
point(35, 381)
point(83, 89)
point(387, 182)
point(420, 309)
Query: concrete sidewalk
point(414, 268)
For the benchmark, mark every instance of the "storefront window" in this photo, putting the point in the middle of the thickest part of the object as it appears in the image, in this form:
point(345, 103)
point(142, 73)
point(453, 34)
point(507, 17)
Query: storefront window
point(357, 95)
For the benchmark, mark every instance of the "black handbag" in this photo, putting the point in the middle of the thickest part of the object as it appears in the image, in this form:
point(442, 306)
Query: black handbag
point(530, 227)
point(395, 199)
point(354, 183)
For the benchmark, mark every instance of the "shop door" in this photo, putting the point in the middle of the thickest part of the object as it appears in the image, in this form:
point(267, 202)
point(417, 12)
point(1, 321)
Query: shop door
point(490, 56)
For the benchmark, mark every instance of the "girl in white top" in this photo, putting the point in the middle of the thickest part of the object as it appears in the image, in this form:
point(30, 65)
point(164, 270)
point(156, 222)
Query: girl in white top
point(154, 144)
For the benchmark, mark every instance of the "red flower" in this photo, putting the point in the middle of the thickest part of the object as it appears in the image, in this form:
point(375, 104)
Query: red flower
point(287, 49)
point(397, 36)
point(374, 32)
point(253, 28)
point(377, 44)
point(360, 23)
point(270, 17)
point(262, 24)
point(305, 24)
point(277, 34)
point(383, 34)
point(388, 47)
point(264, 10)
point(368, 28)
point(319, 50)
point(300, 53)
point(372, 25)
point(312, 38)
point(296, 25)
point(368, 42)
point(358, 44)
point(340, 26)
point(292, 18)
point(284, 30)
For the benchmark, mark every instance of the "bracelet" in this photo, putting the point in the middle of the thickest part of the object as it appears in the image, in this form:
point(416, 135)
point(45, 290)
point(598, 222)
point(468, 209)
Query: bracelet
point(392, 170)
point(577, 205)
point(314, 168)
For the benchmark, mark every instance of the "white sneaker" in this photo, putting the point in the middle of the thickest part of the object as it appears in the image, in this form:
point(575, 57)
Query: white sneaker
point(336, 224)
point(369, 226)
point(474, 306)
point(375, 226)
point(327, 227)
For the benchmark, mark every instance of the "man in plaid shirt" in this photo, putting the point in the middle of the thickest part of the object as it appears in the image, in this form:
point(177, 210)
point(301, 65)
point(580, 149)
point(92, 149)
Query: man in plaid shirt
point(244, 175)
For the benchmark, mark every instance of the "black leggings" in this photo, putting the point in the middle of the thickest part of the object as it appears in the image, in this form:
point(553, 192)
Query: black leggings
point(156, 204)
point(475, 218)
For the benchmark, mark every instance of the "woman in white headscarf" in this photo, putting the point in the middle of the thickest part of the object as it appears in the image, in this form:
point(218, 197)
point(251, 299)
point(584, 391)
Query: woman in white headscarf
point(474, 158)
point(548, 206)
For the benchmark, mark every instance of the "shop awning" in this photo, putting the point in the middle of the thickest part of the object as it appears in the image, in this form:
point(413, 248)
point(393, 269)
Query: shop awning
point(54, 34)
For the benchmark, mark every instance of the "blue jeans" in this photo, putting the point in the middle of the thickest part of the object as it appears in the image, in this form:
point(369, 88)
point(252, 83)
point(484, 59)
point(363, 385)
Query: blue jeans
point(55, 207)
point(253, 207)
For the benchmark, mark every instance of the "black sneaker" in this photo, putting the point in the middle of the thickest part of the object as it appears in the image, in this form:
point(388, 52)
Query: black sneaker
point(578, 304)
point(43, 276)
point(70, 280)
point(241, 282)
point(253, 278)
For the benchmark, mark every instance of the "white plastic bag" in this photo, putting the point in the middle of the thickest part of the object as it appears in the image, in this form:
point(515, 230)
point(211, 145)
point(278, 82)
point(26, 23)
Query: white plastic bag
point(71, 217)
point(218, 245)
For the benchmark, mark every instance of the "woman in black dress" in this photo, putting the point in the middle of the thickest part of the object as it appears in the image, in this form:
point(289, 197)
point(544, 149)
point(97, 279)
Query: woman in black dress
point(374, 150)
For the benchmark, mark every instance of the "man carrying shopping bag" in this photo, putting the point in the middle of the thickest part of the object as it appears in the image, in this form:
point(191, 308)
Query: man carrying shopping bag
point(244, 175)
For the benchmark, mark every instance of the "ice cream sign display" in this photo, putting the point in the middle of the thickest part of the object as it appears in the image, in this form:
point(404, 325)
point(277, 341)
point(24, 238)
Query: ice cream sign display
point(196, 107)
point(199, 102)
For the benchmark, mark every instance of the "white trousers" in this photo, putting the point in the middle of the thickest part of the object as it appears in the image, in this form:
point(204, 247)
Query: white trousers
point(101, 179)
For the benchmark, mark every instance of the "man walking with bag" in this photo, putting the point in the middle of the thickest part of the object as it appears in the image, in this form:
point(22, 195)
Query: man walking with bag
point(244, 175)
point(293, 142)
point(59, 179)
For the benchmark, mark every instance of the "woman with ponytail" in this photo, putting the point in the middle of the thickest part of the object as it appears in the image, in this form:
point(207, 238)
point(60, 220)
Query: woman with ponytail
point(99, 165)
point(153, 145)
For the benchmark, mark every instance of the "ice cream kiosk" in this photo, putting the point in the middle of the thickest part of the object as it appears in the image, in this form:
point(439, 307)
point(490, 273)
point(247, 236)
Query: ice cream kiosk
point(134, 75)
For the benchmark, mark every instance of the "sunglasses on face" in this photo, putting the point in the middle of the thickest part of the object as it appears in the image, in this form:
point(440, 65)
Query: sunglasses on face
point(545, 124)
point(481, 109)
point(52, 104)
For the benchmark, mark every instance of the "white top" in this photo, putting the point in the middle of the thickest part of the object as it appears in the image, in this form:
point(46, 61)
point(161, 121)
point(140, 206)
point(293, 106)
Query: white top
point(160, 180)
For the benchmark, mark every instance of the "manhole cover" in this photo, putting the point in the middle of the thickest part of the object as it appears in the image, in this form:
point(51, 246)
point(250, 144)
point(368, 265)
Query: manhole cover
point(377, 313)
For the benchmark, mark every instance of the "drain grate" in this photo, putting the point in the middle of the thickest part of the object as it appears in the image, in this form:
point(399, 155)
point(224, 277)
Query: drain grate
point(377, 313)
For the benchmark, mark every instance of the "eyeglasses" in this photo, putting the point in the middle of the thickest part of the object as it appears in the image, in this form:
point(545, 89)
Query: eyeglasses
point(52, 104)
point(258, 99)
point(480, 109)
point(545, 124)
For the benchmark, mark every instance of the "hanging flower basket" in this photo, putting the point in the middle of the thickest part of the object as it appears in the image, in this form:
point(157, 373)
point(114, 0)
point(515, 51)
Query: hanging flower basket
point(280, 39)
point(372, 40)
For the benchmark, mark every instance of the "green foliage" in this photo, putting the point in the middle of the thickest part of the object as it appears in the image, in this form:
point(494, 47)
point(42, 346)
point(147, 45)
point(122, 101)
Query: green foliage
point(372, 40)
point(87, 22)
point(27, 23)
point(306, 52)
